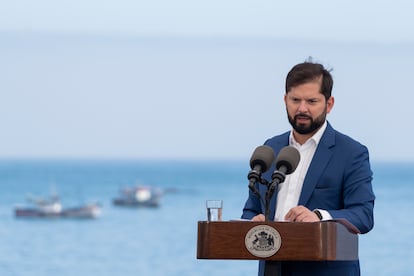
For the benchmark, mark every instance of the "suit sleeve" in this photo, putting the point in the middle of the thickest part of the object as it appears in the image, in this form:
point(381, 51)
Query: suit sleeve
point(252, 207)
point(358, 196)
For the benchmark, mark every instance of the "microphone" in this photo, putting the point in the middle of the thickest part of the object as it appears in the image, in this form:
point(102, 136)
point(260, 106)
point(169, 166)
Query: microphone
point(261, 160)
point(286, 163)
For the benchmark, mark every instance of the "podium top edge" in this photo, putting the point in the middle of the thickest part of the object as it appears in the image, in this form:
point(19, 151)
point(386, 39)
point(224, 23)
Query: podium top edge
point(349, 226)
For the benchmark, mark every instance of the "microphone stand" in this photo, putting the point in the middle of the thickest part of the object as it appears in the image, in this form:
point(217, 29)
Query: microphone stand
point(267, 203)
point(278, 177)
point(255, 177)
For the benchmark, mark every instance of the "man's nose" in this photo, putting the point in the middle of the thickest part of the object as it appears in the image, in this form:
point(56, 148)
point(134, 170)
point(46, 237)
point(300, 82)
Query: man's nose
point(303, 106)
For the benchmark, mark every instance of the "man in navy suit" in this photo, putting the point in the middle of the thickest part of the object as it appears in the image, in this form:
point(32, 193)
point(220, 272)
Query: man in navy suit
point(333, 177)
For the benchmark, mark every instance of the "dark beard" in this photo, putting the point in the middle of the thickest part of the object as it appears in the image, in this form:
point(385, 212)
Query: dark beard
point(307, 129)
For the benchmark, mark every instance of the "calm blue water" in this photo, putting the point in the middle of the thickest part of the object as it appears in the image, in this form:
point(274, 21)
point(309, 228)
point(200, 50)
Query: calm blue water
point(162, 241)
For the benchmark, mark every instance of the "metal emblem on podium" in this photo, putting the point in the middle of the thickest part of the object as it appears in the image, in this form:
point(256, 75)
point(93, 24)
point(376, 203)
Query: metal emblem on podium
point(263, 241)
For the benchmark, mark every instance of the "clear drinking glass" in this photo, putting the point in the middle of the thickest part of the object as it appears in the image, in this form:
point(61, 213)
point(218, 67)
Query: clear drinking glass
point(214, 210)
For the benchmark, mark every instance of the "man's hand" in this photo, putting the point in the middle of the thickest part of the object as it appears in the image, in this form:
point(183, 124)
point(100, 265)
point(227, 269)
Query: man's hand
point(259, 217)
point(301, 214)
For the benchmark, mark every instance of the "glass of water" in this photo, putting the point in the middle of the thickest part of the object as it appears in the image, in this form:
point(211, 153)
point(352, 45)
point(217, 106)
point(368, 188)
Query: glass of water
point(214, 210)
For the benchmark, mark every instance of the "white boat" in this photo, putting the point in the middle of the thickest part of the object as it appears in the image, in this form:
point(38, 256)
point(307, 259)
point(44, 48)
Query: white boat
point(51, 207)
point(137, 196)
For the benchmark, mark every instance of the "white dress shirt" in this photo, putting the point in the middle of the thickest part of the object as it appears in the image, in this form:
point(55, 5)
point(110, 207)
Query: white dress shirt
point(289, 190)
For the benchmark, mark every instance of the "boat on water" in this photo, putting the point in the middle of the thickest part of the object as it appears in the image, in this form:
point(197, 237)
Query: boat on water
point(51, 207)
point(138, 196)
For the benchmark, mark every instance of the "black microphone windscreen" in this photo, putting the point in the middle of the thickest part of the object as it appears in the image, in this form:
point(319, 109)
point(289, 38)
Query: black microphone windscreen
point(288, 157)
point(262, 156)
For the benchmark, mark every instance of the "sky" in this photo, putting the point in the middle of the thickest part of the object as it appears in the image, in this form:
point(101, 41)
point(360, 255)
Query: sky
point(320, 19)
point(195, 79)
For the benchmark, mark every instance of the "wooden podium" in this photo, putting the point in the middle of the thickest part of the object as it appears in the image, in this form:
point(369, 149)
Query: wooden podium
point(298, 241)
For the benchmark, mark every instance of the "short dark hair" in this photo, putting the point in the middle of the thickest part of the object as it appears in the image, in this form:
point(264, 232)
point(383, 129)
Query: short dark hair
point(308, 71)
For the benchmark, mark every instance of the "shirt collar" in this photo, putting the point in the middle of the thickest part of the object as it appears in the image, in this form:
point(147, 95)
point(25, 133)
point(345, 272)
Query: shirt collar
point(315, 138)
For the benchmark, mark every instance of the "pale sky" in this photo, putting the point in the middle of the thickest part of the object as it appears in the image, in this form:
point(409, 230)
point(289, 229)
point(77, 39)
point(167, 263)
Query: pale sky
point(320, 19)
point(192, 79)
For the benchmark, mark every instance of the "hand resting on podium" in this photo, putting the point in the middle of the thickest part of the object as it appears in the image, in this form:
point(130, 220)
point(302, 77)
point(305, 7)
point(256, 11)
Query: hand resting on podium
point(296, 214)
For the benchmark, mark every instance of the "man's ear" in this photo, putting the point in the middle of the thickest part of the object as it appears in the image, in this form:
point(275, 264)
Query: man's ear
point(329, 104)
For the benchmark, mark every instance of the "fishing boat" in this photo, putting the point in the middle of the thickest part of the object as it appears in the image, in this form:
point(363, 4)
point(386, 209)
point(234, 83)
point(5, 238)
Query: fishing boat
point(137, 196)
point(51, 207)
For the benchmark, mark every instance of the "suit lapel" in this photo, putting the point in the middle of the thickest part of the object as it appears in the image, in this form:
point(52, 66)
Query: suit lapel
point(319, 162)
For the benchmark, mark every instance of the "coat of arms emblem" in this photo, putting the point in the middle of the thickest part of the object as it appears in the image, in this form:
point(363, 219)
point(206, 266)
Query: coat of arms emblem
point(263, 241)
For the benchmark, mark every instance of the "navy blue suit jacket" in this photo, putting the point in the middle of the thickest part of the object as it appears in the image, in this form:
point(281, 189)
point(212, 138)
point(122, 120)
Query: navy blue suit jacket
point(339, 181)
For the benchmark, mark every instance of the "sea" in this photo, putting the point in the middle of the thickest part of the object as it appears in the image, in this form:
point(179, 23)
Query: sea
point(163, 240)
